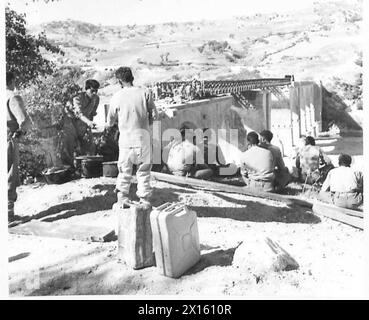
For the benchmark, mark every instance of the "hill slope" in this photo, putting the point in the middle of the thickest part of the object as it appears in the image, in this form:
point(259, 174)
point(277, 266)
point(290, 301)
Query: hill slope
point(315, 44)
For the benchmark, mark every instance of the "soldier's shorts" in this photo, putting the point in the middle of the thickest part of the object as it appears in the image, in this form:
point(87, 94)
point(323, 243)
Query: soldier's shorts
point(349, 200)
point(259, 185)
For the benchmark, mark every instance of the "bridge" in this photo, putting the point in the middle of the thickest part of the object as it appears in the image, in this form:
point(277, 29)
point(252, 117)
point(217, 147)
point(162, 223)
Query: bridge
point(198, 89)
point(289, 109)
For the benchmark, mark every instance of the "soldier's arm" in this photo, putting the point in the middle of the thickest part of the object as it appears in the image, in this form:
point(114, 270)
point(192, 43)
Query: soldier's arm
point(112, 116)
point(96, 105)
point(151, 108)
point(324, 159)
point(17, 107)
point(359, 181)
point(279, 161)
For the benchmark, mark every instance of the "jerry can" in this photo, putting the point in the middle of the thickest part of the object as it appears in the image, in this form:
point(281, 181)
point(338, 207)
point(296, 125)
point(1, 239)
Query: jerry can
point(135, 237)
point(175, 239)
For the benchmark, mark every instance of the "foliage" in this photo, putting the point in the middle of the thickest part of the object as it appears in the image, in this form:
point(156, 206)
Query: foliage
point(30, 164)
point(107, 144)
point(23, 51)
point(46, 99)
point(215, 46)
point(45, 102)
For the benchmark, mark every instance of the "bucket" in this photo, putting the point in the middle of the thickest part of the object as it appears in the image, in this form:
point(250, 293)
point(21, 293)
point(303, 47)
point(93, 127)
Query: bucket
point(91, 168)
point(110, 169)
point(57, 175)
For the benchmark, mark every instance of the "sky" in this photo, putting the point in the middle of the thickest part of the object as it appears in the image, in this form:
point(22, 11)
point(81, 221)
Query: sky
point(123, 12)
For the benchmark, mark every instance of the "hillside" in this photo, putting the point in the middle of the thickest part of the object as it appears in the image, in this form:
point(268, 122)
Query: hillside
point(322, 43)
point(316, 44)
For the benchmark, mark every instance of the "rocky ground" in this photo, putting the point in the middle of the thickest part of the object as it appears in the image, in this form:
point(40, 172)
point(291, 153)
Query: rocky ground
point(330, 254)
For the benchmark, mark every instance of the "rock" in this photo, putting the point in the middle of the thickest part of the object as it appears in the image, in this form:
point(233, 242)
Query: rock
point(263, 255)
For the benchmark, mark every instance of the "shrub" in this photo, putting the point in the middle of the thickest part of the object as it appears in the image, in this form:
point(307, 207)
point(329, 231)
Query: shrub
point(45, 102)
point(215, 46)
point(23, 50)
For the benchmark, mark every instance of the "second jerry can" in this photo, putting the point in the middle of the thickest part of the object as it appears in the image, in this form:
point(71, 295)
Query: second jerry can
point(175, 239)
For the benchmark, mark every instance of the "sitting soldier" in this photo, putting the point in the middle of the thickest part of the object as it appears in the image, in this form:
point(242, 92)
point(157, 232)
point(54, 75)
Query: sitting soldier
point(182, 156)
point(257, 165)
point(343, 186)
point(282, 176)
point(312, 164)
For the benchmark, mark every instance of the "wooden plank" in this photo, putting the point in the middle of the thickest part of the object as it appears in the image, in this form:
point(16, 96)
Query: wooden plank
point(349, 212)
point(337, 214)
point(65, 231)
point(222, 187)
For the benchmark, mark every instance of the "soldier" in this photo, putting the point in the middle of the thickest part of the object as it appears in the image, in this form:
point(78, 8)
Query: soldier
point(17, 124)
point(133, 108)
point(343, 186)
point(78, 122)
point(282, 176)
point(313, 165)
point(257, 165)
point(182, 156)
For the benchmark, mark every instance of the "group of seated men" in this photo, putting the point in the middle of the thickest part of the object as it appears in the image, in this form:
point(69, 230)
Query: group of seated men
point(262, 167)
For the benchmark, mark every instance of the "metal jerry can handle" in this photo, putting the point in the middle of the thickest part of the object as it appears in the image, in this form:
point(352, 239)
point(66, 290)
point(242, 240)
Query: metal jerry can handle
point(164, 206)
point(174, 208)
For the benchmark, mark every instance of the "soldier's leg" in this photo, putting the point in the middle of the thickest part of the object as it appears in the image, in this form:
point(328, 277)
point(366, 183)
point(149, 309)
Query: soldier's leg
point(348, 200)
point(143, 174)
point(326, 196)
point(203, 173)
point(125, 166)
point(13, 175)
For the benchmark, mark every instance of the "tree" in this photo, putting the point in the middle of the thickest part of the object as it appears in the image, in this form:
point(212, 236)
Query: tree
point(23, 51)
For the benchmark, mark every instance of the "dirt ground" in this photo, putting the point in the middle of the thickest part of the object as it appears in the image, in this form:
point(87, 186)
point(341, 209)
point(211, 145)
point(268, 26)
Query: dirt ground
point(330, 254)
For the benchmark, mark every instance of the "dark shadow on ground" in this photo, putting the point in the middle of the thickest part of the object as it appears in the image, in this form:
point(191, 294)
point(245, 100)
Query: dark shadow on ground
point(104, 202)
point(257, 212)
point(221, 258)
point(77, 208)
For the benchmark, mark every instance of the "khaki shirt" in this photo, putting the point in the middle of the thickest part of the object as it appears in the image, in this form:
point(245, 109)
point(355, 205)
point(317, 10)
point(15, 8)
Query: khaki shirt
point(182, 156)
point(131, 107)
point(343, 179)
point(277, 155)
point(258, 164)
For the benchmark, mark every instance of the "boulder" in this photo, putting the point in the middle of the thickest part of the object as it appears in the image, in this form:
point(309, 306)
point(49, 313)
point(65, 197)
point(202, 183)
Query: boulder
point(263, 255)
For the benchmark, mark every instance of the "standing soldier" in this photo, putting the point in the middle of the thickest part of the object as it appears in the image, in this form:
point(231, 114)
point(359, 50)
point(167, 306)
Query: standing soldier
point(17, 124)
point(134, 109)
point(78, 122)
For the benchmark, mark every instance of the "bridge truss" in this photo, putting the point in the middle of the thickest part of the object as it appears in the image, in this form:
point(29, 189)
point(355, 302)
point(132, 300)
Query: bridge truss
point(197, 89)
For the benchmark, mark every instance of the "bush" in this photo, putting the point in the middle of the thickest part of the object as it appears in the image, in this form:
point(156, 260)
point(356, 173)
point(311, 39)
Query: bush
point(23, 50)
point(45, 100)
point(215, 46)
point(30, 165)
point(45, 103)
